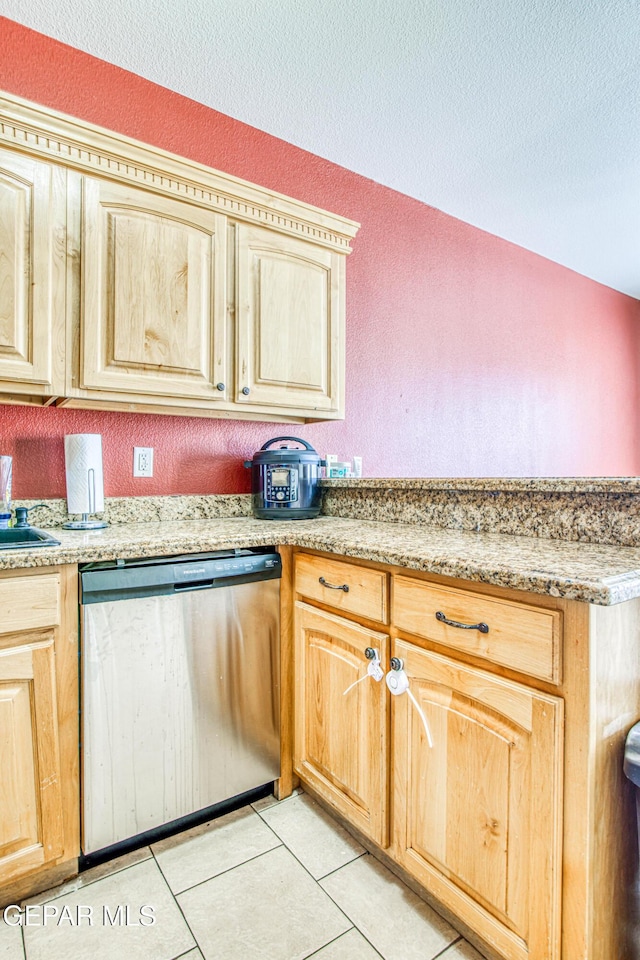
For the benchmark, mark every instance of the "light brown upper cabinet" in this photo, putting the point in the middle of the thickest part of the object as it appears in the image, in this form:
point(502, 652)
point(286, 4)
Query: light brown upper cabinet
point(290, 322)
point(153, 302)
point(135, 279)
point(32, 276)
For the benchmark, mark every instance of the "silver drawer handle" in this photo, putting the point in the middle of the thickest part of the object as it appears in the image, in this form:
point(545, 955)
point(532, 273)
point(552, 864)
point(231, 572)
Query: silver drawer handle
point(482, 627)
point(334, 586)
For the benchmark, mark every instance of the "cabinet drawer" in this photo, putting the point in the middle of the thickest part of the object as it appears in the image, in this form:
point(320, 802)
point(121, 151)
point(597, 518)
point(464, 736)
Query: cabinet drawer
point(523, 637)
point(321, 579)
point(28, 603)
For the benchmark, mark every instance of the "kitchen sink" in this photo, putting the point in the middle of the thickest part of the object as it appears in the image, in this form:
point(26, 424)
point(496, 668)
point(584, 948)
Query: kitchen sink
point(15, 538)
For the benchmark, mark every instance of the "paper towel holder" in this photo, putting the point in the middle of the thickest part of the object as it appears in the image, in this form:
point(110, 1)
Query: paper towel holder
point(85, 492)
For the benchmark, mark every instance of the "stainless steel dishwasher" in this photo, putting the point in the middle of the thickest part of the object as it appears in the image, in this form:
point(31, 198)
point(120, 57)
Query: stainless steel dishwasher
point(180, 689)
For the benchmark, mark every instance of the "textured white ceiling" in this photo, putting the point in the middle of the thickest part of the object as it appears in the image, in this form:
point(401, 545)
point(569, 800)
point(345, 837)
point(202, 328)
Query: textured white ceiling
point(519, 116)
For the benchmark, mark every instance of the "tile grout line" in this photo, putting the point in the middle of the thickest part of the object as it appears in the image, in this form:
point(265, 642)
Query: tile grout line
point(128, 866)
point(459, 939)
point(90, 883)
point(326, 893)
point(222, 872)
point(190, 950)
point(175, 900)
point(317, 883)
point(325, 876)
point(115, 873)
point(306, 869)
point(339, 937)
point(355, 926)
point(277, 803)
point(280, 843)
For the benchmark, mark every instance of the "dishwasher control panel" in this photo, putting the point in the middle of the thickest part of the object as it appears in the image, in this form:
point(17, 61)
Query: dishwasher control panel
point(127, 579)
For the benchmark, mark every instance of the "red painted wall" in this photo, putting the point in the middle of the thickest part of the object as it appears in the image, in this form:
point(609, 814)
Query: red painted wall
point(466, 355)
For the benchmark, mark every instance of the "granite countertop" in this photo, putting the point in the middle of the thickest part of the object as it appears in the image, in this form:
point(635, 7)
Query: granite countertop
point(594, 573)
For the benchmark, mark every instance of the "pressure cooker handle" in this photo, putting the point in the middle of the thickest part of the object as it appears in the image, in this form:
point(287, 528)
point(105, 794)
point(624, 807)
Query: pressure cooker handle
point(304, 443)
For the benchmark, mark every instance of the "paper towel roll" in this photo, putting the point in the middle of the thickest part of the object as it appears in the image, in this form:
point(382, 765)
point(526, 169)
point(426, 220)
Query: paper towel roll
point(83, 462)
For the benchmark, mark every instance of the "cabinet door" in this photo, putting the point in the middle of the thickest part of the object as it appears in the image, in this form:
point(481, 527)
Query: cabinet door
point(31, 821)
point(477, 817)
point(32, 276)
point(290, 297)
point(153, 300)
point(340, 733)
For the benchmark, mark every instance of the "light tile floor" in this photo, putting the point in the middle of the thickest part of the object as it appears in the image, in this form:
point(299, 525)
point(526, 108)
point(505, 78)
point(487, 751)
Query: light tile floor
point(272, 881)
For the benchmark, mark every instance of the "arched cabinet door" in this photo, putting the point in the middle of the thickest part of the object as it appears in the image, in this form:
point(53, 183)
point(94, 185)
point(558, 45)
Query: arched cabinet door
point(32, 276)
point(341, 737)
point(477, 816)
point(152, 295)
point(290, 316)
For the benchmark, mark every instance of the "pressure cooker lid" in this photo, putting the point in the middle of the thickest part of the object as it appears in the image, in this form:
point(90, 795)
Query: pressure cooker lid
point(286, 453)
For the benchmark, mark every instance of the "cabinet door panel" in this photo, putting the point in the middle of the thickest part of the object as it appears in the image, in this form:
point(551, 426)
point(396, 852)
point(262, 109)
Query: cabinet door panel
point(31, 824)
point(290, 322)
point(341, 738)
point(477, 817)
point(19, 821)
point(292, 354)
point(32, 265)
point(153, 294)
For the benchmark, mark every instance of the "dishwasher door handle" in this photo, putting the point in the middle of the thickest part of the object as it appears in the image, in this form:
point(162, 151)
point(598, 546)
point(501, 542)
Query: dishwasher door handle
point(192, 585)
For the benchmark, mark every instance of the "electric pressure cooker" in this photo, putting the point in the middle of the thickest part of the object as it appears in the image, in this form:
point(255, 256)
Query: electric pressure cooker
point(285, 482)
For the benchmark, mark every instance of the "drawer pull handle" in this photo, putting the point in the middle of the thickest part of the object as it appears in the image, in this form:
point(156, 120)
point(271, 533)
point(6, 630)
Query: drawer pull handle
point(334, 586)
point(482, 627)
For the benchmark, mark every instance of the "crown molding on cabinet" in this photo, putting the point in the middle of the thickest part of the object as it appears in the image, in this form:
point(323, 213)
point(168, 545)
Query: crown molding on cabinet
point(50, 135)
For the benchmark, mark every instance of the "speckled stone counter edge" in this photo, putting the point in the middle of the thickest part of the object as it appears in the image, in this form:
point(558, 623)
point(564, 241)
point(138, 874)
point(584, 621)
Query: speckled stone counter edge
point(587, 511)
point(593, 573)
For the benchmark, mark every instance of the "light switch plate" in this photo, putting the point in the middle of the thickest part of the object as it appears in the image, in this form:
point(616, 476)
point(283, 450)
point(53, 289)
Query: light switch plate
point(143, 461)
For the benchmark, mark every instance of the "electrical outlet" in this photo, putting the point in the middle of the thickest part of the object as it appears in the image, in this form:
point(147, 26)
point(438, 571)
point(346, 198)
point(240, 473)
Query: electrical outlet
point(143, 461)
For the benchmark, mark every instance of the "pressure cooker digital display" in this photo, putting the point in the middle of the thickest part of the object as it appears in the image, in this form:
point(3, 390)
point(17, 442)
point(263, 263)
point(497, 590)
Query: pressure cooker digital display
point(282, 484)
point(280, 478)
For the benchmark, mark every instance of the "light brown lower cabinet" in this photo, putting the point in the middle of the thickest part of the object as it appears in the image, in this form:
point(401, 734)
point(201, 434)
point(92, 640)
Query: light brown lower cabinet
point(39, 791)
point(477, 815)
point(341, 740)
point(518, 820)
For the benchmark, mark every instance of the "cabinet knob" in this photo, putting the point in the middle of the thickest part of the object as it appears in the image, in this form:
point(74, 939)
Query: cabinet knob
point(370, 653)
point(396, 663)
point(246, 391)
point(219, 386)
